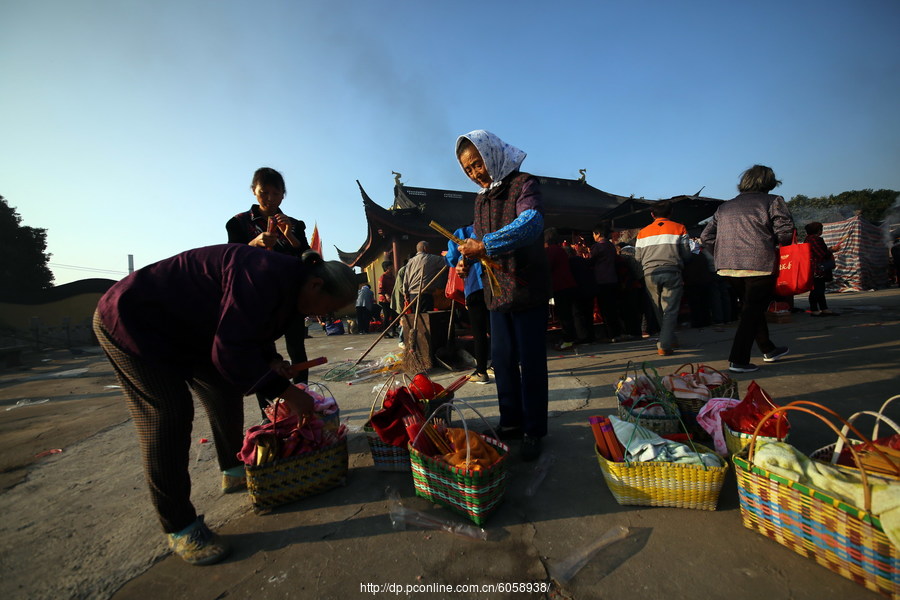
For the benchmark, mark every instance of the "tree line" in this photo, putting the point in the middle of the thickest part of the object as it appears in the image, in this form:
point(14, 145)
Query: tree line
point(871, 205)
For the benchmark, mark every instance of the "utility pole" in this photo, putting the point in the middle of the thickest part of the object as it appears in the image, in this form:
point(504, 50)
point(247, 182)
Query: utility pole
point(130, 264)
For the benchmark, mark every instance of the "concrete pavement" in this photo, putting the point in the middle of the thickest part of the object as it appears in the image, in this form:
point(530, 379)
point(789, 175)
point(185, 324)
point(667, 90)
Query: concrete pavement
point(341, 544)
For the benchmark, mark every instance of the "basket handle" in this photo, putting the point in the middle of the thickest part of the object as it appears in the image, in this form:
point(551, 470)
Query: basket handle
point(839, 446)
point(382, 393)
point(711, 368)
point(447, 406)
point(691, 365)
point(629, 365)
point(322, 387)
point(885, 419)
point(655, 379)
point(801, 406)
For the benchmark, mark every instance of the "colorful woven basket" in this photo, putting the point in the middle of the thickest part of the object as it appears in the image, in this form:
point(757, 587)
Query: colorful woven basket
point(385, 456)
point(289, 479)
point(474, 494)
point(664, 484)
point(843, 538)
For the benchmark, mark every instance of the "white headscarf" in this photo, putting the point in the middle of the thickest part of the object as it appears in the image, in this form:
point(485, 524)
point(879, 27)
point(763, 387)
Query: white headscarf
point(500, 159)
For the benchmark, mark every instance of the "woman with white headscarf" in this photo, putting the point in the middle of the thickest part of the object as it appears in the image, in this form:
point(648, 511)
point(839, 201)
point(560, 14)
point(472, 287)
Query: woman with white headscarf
point(508, 229)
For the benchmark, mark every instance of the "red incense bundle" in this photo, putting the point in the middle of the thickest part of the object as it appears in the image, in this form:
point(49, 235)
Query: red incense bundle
point(616, 450)
point(599, 438)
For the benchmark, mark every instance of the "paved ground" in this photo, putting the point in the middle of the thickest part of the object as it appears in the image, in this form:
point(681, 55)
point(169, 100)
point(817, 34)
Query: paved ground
point(77, 523)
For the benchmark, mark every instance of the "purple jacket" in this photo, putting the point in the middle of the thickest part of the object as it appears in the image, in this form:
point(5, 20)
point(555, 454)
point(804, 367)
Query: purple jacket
point(221, 305)
point(603, 259)
point(745, 232)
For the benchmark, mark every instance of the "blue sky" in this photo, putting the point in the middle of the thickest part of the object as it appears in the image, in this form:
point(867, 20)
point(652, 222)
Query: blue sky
point(134, 127)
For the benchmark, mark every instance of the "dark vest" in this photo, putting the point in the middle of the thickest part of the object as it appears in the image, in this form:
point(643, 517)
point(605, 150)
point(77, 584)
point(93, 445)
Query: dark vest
point(524, 275)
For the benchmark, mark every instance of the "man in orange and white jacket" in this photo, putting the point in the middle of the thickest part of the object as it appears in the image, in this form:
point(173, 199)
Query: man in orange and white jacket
point(662, 249)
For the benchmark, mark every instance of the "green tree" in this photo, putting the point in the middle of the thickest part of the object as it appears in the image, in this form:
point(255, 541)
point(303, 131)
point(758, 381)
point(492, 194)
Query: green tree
point(872, 205)
point(23, 253)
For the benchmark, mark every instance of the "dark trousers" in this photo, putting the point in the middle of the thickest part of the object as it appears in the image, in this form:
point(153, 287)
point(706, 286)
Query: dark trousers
point(817, 295)
point(162, 408)
point(698, 301)
point(519, 352)
point(720, 301)
point(295, 342)
point(583, 310)
point(754, 293)
point(479, 319)
point(652, 323)
point(564, 303)
point(363, 317)
point(608, 303)
point(389, 314)
point(633, 310)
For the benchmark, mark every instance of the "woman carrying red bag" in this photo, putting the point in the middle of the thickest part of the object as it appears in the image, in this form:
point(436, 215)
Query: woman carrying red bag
point(744, 236)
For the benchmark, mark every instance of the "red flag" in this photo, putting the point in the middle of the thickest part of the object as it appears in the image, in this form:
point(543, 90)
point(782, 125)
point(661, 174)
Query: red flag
point(316, 242)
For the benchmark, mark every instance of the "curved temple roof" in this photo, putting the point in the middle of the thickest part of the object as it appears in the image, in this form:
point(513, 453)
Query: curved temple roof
point(569, 204)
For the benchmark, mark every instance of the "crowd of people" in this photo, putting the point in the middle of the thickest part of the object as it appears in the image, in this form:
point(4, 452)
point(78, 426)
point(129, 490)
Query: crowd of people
point(205, 322)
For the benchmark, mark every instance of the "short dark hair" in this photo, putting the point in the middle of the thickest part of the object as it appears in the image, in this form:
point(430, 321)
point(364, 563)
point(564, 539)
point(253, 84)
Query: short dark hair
point(758, 178)
point(551, 236)
point(386, 265)
point(267, 176)
point(602, 229)
point(662, 208)
point(814, 228)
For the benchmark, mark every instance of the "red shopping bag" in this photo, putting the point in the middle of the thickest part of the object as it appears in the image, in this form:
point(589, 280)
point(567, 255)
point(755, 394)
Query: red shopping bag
point(794, 269)
point(745, 416)
point(456, 287)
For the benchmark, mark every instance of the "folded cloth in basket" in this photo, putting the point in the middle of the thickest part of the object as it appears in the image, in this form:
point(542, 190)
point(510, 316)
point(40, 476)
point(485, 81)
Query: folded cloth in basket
point(643, 445)
point(686, 387)
point(786, 461)
point(388, 422)
point(710, 377)
point(481, 454)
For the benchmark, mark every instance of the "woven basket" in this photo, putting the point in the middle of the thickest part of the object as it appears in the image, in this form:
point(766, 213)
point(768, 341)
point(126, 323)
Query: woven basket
point(667, 423)
point(474, 494)
point(689, 408)
point(843, 538)
point(385, 456)
point(832, 452)
point(288, 479)
point(736, 441)
point(664, 484)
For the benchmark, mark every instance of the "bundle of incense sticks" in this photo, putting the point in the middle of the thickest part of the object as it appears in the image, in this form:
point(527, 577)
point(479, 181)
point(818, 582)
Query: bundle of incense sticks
point(451, 388)
point(487, 263)
point(414, 424)
point(605, 436)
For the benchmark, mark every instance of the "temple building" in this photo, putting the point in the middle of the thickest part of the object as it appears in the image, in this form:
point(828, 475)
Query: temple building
point(571, 205)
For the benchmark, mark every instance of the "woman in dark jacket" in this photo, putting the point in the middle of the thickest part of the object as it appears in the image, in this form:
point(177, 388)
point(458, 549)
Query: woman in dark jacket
point(266, 226)
point(822, 265)
point(205, 322)
point(509, 225)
